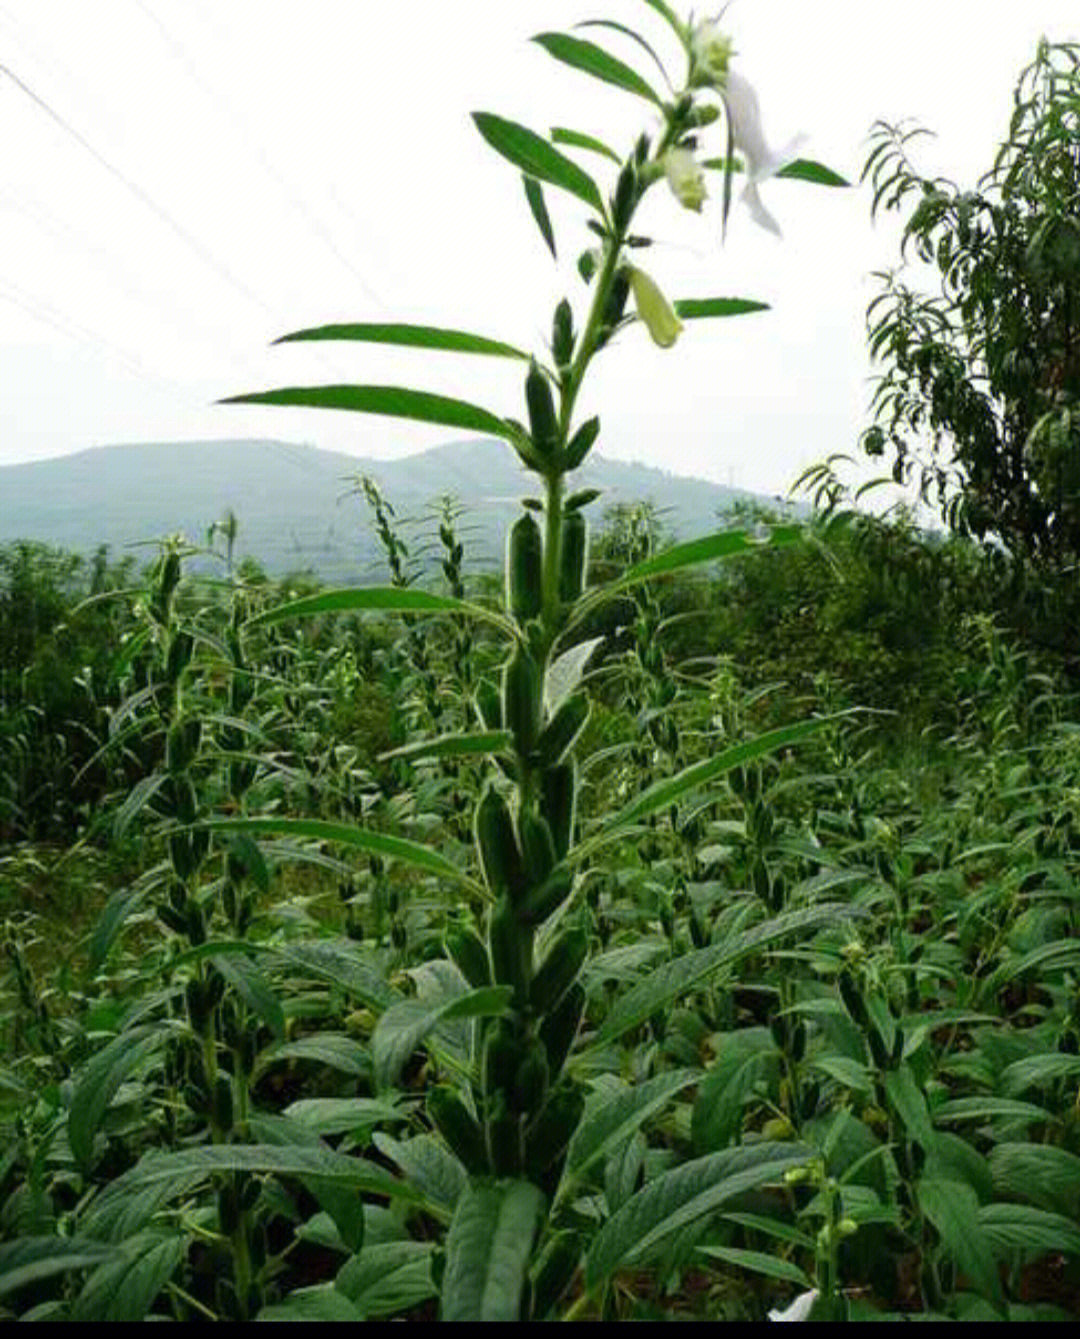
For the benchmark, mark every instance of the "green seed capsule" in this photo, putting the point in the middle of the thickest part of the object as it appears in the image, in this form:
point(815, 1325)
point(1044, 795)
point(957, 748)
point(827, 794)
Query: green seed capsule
point(181, 649)
point(489, 705)
point(575, 543)
point(181, 745)
point(502, 1051)
point(541, 902)
point(467, 951)
point(564, 727)
point(560, 1027)
point(223, 1102)
point(577, 501)
point(537, 847)
point(562, 334)
point(524, 569)
point(555, 1271)
point(458, 1127)
point(496, 843)
point(582, 443)
point(543, 423)
point(521, 699)
point(559, 970)
point(530, 1080)
point(550, 1134)
point(622, 205)
point(511, 949)
point(557, 801)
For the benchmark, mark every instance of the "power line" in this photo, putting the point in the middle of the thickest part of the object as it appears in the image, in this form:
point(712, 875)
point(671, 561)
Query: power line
point(193, 242)
point(292, 195)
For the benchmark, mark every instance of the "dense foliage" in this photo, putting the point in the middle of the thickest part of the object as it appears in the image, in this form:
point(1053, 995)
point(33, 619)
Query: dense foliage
point(627, 937)
point(979, 400)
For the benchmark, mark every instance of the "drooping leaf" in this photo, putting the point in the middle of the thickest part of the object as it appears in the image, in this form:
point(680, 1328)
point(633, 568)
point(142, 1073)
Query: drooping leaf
point(377, 600)
point(428, 1166)
point(404, 1026)
point(693, 309)
point(395, 401)
point(30, 1259)
point(100, 1079)
point(377, 843)
point(609, 1121)
point(757, 1262)
point(332, 1049)
point(953, 1208)
point(534, 194)
point(683, 1196)
point(682, 975)
point(1020, 1229)
point(577, 139)
point(342, 1115)
point(1041, 1174)
point(317, 1304)
point(452, 746)
point(624, 31)
point(594, 60)
point(536, 157)
point(666, 12)
point(388, 1277)
point(801, 169)
point(124, 1289)
point(254, 989)
point(109, 924)
point(488, 1249)
point(662, 794)
point(409, 336)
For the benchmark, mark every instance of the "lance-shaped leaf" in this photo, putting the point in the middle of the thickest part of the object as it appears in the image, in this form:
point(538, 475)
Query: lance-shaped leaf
point(488, 1249)
point(408, 336)
point(534, 193)
point(684, 1196)
point(666, 12)
point(621, 28)
point(679, 977)
point(577, 139)
point(693, 309)
point(378, 600)
point(395, 401)
point(29, 1259)
point(376, 843)
point(801, 169)
point(536, 157)
point(404, 1026)
point(594, 60)
point(452, 746)
point(666, 792)
point(612, 1119)
point(99, 1081)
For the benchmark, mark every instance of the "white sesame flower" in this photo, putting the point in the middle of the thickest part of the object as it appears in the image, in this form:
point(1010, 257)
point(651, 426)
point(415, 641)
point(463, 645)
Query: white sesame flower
point(748, 137)
point(799, 1309)
point(686, 178)
point(711, 51)
point(654, 309)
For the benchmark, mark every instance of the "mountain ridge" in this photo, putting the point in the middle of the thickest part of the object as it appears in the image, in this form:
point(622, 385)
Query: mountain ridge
point(292, 501)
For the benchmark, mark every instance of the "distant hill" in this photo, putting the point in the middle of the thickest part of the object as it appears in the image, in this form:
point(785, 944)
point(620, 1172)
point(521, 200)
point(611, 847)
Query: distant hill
point(292, 501)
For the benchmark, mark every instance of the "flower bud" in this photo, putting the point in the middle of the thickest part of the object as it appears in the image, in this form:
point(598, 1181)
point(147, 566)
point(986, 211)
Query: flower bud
point(711, 51)
point(686, 178)
point(654, 309)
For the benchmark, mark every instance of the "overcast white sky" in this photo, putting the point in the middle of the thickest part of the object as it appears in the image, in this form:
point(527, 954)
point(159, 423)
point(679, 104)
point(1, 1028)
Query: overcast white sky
point(292, 162)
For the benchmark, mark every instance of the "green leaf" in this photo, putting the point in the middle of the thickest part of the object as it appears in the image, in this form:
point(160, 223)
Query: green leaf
point(742, 1058)
point(953, 1208)
point(254, 989)
point(608, 1120)
point(805, 169)
point(378, 843)
point(577, 139)
point(758, 1263)
point(1037, 1069)
point(662, 794)
point(100, 1079)
point(907, 1099)
point(404, 1026)
point(30, 1259)
point(124, 1290)
point(379, 600)
point(340, 962)
point(990, 1108)
point(333, 1049)
point(453, 746)
point(488, 1249)
point(692, 309)
point(429, 1167)
point(136, 801)
point(1042, 1174)
point(666, 12)
point(322, 1302)
point(536, 157)
point(343, 1115)
point(847, 1072)
point(1019, 1229)
point(594, 60)
point(680, 976)
point(724, 544)
point(177, 1170)
point(109, 924)
point(534, 193)
point(684, 1196)
point(633, 36)
point(409, 336)
point(395, 401)
point(388, 1277)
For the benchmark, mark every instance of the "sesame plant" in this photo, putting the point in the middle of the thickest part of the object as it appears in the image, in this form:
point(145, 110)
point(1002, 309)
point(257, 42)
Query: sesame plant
point(507, 1107)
